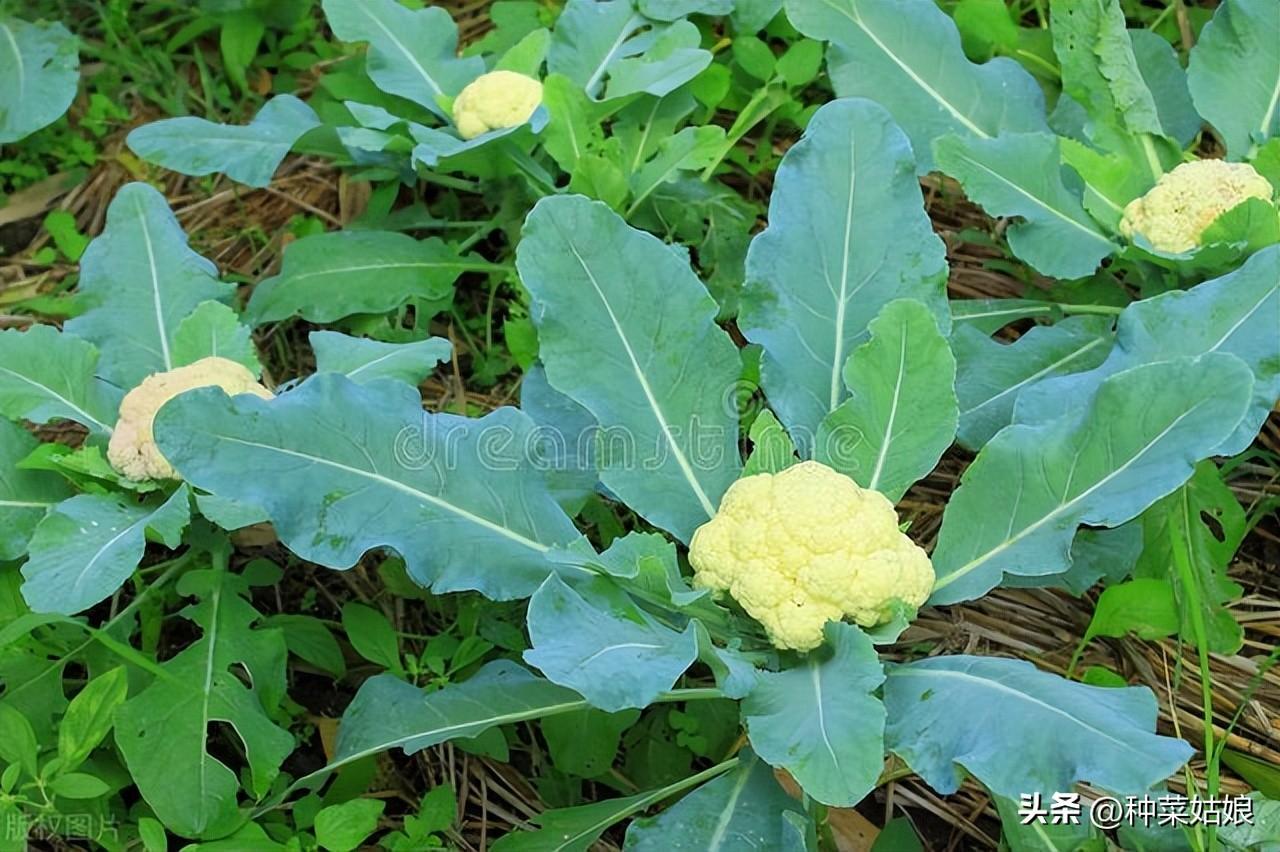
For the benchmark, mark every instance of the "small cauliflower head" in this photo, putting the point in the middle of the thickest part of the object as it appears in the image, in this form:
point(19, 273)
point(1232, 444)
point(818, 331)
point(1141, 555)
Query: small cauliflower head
point(1174, 213)
point(805, 546)
point(132, 450)
point(495, 100)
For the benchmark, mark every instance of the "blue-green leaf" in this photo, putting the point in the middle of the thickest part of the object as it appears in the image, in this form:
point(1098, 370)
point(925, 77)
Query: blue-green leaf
point(589, 37)
point(566, 440)
point(342, 468)
point(26, 496)
point(991, 374)
point(140, 280)
point(1020, 174)
point(907, 54)
point(742, 809)
point(901, 416)
point(48, 375)
point(673, 59)
point(847, 235)
point(940, 721)
point(412, 53)
point(594, 40)
point(1236, 314)
point(674, 10)
point(1096, 554)
point(1244, 34)
point(248, 153)
point(1167, 82)
point(604, 647)
point(215, 330)
point(628, 332)
point(364, 361)
point(89, 545)
point(388, 713)
point(326, 277)
point(1020, 502)
point(820, 720)
point(39, 75)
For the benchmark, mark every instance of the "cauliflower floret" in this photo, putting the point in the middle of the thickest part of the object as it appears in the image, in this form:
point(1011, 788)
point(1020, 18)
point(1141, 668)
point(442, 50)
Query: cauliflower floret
point(1174, 213)
point(132, 450)
point(495, 100)
point(806, 546)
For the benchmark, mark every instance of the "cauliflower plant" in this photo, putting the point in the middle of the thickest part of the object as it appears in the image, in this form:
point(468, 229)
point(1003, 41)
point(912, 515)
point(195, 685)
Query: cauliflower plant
point(495, 100)
point(133, 451)
point(806, 546)
point(1174, 213)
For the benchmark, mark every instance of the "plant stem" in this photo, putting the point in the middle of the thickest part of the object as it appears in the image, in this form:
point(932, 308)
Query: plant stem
point(1105, 310)
point(669, 697)
point(1179, 532)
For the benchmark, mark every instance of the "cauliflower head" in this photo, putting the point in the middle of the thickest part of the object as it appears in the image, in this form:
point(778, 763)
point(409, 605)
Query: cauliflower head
point(495, 100)
point(132, 450)
point(1174, 213)
point(806, 546)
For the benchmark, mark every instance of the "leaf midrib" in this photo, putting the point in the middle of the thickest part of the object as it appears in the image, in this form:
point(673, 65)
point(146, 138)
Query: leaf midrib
point(906, 671)
point(1061, 509)
point(413, 60)
point(852, 14)
point(685, 468)
point(403, 488)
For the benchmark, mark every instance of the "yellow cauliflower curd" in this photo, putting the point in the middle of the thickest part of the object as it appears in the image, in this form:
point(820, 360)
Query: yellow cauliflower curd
point(495, 100)
point(806, 546)
point(1174, 213)
point(133, 451)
